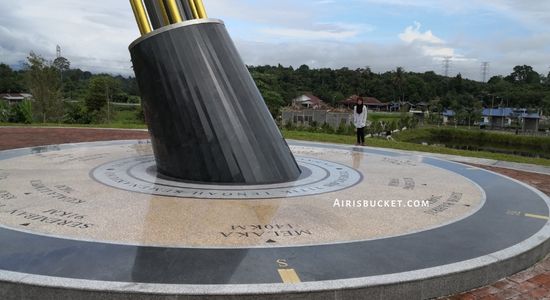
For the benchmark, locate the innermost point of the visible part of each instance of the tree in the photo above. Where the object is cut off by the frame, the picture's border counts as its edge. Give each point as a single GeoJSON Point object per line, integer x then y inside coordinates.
{"type": "Point", "coordinates": [495, 80]}
{"type": "Point", "coordinates": [267, 84]}
{"type": "Point", "coordinates": [524, 74]}
{"type": "Point", "coordinates": [274, 102]}
{"type": "Point", "coordinates": [454, 103]}
{"type": "Point", "coordinates": [100, 93]}
{"type": "Point", "coordinates": [435, 105]}
{"type": "Point", "coordinates": [10, 81]}
{"type": "Point", "coordinates": [62, 65]}
{"type": "Point", "coordinates": [415, 89]}
{"type": "Point", "coordinates": [472, 108]}
{"type": "Point", "coordinates": [398, 81]}
{"type": "Point", "coordinates": [545, 105]}
{"type": "Point", "coordinates": [43, 82]}
{"type": "Point", "coordinates": [457, 84]}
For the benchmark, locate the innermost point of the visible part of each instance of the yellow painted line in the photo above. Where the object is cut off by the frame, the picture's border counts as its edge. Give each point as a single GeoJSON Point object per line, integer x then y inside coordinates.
{"type": "Point", "coordinates": [289, 276]}
{"type": "Point", "coordinates": [537, 216]}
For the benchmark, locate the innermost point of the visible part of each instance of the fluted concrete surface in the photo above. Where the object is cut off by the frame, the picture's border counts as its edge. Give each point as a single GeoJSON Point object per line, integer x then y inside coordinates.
{"type": "Point", "coordinates": [207, 118]}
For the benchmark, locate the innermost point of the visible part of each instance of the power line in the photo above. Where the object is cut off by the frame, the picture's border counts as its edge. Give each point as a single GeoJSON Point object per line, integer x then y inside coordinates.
{"type": "Point", "coordinates": [484, 68]}
{"type": "Point", "coordinates": [447, 65]}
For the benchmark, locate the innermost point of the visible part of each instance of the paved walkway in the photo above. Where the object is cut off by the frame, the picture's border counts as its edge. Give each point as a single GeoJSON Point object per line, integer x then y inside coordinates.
{"type": "Point", "coordinates": [493, 163]}
{"type": "Point", "coordinates": [533, 283]}
{"type": "Point", "coordinates": [468, 160]}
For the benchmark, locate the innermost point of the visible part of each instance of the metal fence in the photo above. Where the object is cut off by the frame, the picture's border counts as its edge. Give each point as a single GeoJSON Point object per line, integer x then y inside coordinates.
{"type": "Point", "coordinates": [320, 117]}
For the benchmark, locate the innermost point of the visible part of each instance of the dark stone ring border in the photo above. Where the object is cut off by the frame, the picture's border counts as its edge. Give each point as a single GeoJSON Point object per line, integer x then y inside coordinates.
{"type": "Point", "coordinates": [319, 177]}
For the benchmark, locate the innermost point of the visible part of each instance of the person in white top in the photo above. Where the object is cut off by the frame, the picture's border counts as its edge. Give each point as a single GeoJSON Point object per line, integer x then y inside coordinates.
{"type": "Point", "coordinates": [360, 120]}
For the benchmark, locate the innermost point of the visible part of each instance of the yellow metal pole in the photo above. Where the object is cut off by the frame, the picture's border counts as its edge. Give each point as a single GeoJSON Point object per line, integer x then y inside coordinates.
{"type": "Point", "coordinates": [141, 16]}
{"type": "Point", "coordinates": [164, 13]}
{"type": "Point", "coordinates": [194, 9]}
{"type": "Point", "coordinates": [200, 9]}
{"type": "Point", "coordinates": [173, 11]}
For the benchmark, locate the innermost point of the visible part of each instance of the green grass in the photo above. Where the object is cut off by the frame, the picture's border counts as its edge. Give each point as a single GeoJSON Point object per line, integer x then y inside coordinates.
{"type": "Point", "coordinates": [479, 140]}
{"type": "Point", "coordinates": [338, 139]}
{"type": "Point", "coordinates": [382, 143]}
{"type": "Point", "coordinates": [384, 116]}
{"type": "Point", "coordinates": [126, 117]}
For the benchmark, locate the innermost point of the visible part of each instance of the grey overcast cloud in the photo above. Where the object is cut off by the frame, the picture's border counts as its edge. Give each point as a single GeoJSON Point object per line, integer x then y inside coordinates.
{"type": "Point", "coordinates": [417, 35]}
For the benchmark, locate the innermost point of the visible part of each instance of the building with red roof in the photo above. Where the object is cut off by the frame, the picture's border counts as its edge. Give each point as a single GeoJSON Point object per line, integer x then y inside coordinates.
{"type": "Point", "coordinates": [371, 103]}
{"type": "Point", "coordinates": [308, 101]}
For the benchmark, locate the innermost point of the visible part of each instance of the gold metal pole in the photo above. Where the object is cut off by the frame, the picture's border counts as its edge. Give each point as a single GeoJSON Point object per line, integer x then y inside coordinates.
{"type": "Point", "coordinates": [173, 11]}
{"type": "Point", "coordinates": [164, 13]}
{"type": "Point", "coordinates": [200, 9]}
{"type": "Point", "coordinates": [194, 9]}
{"type": "Point", "coordinates": [141, 16]}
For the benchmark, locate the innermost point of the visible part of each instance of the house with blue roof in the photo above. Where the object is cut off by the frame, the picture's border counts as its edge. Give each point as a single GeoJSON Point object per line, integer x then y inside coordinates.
{"type": "Point", "coordinates": [502, 118]}
{"type": "Point", "coordinates": [530, 121]}
{"type": "Point", "coordinates": [449, 116]}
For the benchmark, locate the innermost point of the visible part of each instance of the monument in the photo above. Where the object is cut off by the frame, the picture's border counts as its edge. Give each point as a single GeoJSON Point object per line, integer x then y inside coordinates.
{"type": "Point", "coordinates": [207, 119]}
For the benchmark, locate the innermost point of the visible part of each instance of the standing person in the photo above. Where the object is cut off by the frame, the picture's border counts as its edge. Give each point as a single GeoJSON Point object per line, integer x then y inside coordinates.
{"type": "Point", "coordinates": [360, 121]}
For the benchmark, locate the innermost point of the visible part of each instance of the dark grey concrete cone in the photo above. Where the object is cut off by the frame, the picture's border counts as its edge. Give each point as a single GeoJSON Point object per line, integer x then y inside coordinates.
{"type": "Point", "coordinates": [207, 119]}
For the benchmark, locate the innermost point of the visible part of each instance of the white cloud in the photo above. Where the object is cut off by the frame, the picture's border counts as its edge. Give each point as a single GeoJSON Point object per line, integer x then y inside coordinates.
{"type": "Point", "coordinates": [534, 14]}
{"type": "Point", "coordinates": [95, 35]}
{"type": "Point", "coordinates": [320, 31]}
{"type": "Point", "coordinates": [309, 34]}
{"type": "Point", "coordinates": [429, 43]}
{"type": "Point", "coordinates": [333, 54]}
{"type": "Point", "coordinates": [413, 34]}
{"type": "Point", "coordinates": [439, 51]}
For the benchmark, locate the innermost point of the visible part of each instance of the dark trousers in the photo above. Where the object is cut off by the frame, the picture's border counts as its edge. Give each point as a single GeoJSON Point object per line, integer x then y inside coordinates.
{"type": "Point", "coordinates": [361, 135]}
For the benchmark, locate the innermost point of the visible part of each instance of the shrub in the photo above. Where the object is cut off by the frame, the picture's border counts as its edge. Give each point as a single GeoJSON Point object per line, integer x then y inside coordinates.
{"type": "Point", "coordinates": [21, 112]}
{"type": "Point", "coordinates": [4, 112]}
{"type": "Point", "coordinates": [342, 129]}
{"type": "Point", "coordinates": [75, 113]}
{"type": "Point", "coordinates": [289, 126]}
{"type": "Point", "coordinates": [476, 137]}
{"type": "Point", "coordinates": [326, 128]}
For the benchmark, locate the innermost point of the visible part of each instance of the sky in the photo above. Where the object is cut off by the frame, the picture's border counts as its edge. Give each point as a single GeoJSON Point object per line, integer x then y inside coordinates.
{"type": "Point", "coordinates": [379, 34]}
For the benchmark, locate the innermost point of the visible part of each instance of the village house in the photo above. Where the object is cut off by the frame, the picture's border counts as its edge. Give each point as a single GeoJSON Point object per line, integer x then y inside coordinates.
{"type": "Point", "coordinates": [15, 98]}
{"type": "Point", "coordinates": [372, 103]}
{"type": "Point", "coordinates": [308, 109]}
{"type": "Point", "coordinates": [502, 118]}
{"type": "Point", "coordinates": [308, 101]}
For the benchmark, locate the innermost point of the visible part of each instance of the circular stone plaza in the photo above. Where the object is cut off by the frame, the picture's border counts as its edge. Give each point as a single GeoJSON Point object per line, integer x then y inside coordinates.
{"type": "Point", "coordinates": [90, 218]}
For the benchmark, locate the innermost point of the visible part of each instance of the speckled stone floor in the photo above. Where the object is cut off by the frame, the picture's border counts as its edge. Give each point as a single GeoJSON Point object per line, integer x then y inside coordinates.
{"type": "Point", "coordinates": [533, 283]}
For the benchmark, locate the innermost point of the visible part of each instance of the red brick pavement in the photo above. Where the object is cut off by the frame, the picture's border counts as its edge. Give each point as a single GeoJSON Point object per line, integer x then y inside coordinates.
{"type": "Point", "coordinates": [20, 137]}
{"type": "Point", "coordinates": [533, 283]}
